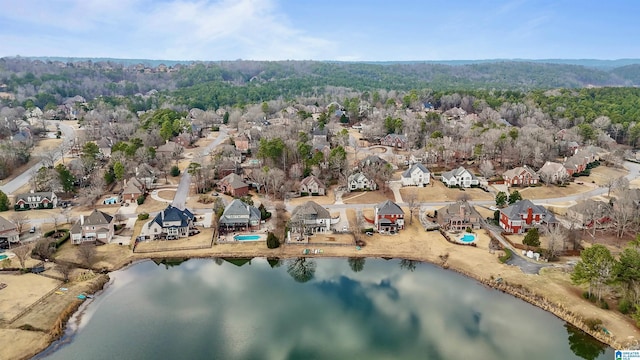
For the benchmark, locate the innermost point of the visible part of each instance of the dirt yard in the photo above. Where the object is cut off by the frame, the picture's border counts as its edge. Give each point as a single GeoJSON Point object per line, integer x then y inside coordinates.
{"type": "Point", "coordinates": [602, 174]}
{"type": "Point", "coordinates": [327, 199]}
{"type": "Point", "coordinates": [367, 197]}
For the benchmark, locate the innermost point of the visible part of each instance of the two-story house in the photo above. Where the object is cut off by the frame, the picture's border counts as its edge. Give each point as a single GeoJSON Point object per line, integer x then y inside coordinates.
{"type": "Point", "coordinates": [553, 172]}
{"type": "Point", "coordinates": [97, 227]}
{"type": "Point", "coordinates": [460, 177]}
{"type": "Point", "coordinates": [395, 140]}
{"type": "Point", "coordinates": [171, 223]}
{"type": "Point", "coordinates": [310, 218]}
{"type": "Point", "coordinates": [358, 181]}
{"type": "Point", "coordinates": [520, 176]}
{"type": "Point", "coordinates": [523, 215]}
{"type": "Point", "coordinates": [416, 175]}
{"type": "Point", "coordinates": [233, 185]}
{"type": "Point", "coordinates": [312, 185]}
{"type": "Point", "coordinates": [8, 233]}
{"type": "Point", "coordinates": [458, 216]}
{"type": "Point", "coordinates": [36, 200]}
{"type": "Point", "coordinates": [238, 216]}
{"type": "Point", "coordinates": [388, 216]}
{"type": "Point", "coordinates": [242, 143]}
{"type": "Point", "coordinates": [132, 190]}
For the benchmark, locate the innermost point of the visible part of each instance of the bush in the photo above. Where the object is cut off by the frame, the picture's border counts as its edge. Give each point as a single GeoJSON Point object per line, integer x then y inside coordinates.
{"type": "Point", "coordinates": [140, 200]}
{"type": "Point", "coordinates": [264, 214]}
{"type": "Point", "coordinates": [364, 231]}
{"type": "Point", "coordinates": [468, 230]}
{"type": "Point", "coordinates": [272, 241]}
{"type": "Point", "coordinates": [625, 306]}
{"type": "Point", "coordinates": [49, 233]}
{"type": "Point", "coordinates": [507, 255]}
{"type": "Point", "coordinates": [593, 323]}
{"type": "Point", "coordinates": [63, 239]}
{"type": "Point", "coordinates": [175, 171]}
{"type": "Point", "coordinates": [304, 194]}
{"type": "Point", "coordinates": [143, 216]}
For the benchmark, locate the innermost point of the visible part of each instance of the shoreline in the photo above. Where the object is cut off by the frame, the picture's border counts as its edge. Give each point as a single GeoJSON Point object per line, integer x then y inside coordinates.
{"type": "Point", "coordinates": [513, 279]}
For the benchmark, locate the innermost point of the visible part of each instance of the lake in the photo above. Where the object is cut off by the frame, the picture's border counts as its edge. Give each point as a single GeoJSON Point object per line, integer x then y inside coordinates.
{"type": "Point", "coordinates": [311, 309]}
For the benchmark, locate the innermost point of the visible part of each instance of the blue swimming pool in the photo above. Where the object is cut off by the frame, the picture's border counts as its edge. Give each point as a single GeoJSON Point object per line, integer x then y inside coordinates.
{"type": "Point", "coordinates": [467, 238]}
{"type": "Point", "coordinates": [247, 237]}
{"type": "Point", "coordinates": [3, 256]}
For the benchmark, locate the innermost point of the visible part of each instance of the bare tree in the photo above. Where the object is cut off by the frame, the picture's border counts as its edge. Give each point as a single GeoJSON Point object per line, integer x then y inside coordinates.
{"type": "Point", "coordinates": [121, 218]}
{"type": "Point", "coordinates": [624, 214]}
{"type": "Point", "coordinates": [556, 237]}
{"type": "Point", "coordinates": [22, 253]}
{"type": "Point", "coordinates": [19, 219]}
{"type": "Point", "coordinates": [413, 204]}
{"type": "Point", "coordinates": [486, 169]}
{"type": "Point", "coordinates": [87, 254]}
{"type": "Point", "coordinates": [65, 270]}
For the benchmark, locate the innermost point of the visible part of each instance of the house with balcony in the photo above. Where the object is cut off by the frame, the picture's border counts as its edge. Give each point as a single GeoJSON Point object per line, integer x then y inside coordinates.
{"type": "Point", "coordinates": [8, 233]}
{"type": "Point", "coordinates": [460, 177]}
{"type": "Point", "coordinates": [239, 216]}
{"type": "Point", "coordinates": [458, 217]}
{"type": "Point", "coordinates": [310, 218]}
{"type": "Point", "coordinates": [388, 216]}
{"type": "Point", "coordinates": [97, 227]}
{"type": "Point", "coordinates": [171, 223]}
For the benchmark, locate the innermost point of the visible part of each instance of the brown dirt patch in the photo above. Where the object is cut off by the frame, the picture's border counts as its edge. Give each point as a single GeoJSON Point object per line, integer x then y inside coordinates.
{"type": "Point", "coordinates": [552, 191]}
{"type": "Point", "coordinates": [327, 199]}
{"type": "Point", "coordinates": [602, 174]}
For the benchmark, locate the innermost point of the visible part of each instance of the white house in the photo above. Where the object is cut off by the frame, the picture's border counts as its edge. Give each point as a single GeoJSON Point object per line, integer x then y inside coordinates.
{"type": "Point", "coordinates": [358, 181]}
{"type": "Point", "coordinates": [460, 177]}
{"type": "Point", "coordinates": [416, 175]}
{"type": "Point", "coordinates": [171, 223]}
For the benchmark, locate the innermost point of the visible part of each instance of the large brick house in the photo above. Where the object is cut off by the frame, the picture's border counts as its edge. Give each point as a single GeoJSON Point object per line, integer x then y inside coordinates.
{"type": "Point", "coordinates": [524, 215]}
{"type": "Point", "coordinates": [395, 140]}
{"type": "Point", "coordinates": [312, 186]}
{"type": "Point", "coordinates": [233, 185]}
{"type": "Point", "coordinates": [458, 216]}
{"type": "Point", "coordinates": [520, 176]}
{"type": "Point", "coordinates": [388, 216]}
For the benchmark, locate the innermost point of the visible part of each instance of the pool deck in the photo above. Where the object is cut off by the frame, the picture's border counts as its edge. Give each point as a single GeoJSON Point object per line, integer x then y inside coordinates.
{"type": "Point", "coordinates": [229, 238]}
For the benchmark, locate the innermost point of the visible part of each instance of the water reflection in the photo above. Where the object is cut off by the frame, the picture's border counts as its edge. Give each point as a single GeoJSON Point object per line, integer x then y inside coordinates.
{"type": "Point", "coordinates": [205, 309]}
{"type": "Point", "coordinates": [356, 264]}
{"type": "Point", "coordinates": [584, 345]}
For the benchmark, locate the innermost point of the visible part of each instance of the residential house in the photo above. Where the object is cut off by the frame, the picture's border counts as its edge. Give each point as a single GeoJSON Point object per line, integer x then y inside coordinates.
{"type": "Point", "coordinates": [575, 164]}
{"type": "Point", "coordinates": [388, 216]}
{"type": "Point", "coordinates": [460, 177]}
{"type": "Point", "coordinates": [373, 160]}
{"type": "Point", "coordinates": [36, 200]}
{"type": "Point", "coordinates": [242, 144]}
{"type": "Point", "coordinates": [233, 185]}
{"type": "Point", "coordinates": [417, 157]}
{"type": "Point", "coordinates": [8, 233]}
{"type": "Point", "coordinates": [319, 136]}
{"type": "Point", "coordinates": [395, 140]}
{"type": "Point", "coordinates": [132, 190]}
{"type": "Point", "coordinates": [170, 149]}
{"type": "Point", "coordinates": [104, 146]}
{"type": "Point", "coordinates": [524, 215]}
{"type": "Point", "coordinates": [416, 175]}
{"type": "Point", "coordinates": [358, 181]}
{"type": "Point", "coordinates": [458, 216]}
{"type": "Point", "coordinates": [553, 172]}
{"type": "Point", "coordinates": [227, 167]}
{"type": "Point", "coordinates": [146, 175]}
{"type": "Point", "coordinates": [312, 186]}
{"type": "Point", "coordinates": [310, 218]}
{"type": "Point", "coordinates": [520, 176]}
{"type": "Point", "coordinates": [97, 227]}
{"type": "Point", "coordinates": [171, 223]}
{"type": "Point", "coordinates": [589, 212]}
{"type": "Point", "coordinates": [238, 216]}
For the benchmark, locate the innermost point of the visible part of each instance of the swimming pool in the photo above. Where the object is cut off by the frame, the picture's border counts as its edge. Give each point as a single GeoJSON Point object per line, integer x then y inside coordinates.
{"type": "Point", "coordinates": [247, 237]}
{"type": "Point", "coordinates": [3, 256]}
{"type": "Point", "coordinates": [468, 238]}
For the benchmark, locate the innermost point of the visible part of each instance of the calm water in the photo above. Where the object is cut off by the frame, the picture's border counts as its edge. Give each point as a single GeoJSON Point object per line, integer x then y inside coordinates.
{"type": "Point", "coordinates": [312, 309]}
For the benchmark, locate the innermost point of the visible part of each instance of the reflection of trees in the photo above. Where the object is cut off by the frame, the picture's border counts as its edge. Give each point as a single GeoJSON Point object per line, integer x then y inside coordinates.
{"type": "Point", "coordinates": [169, 262]}
{"type": "Point", "coordinates": [582, 344]}
{"type": "Point", "coordinates": [356, 264]}
{"type": "Point", "coordinates": [408, 264]}
{"type": "Point", "coordinates": [301, 269]}
{"type": "Point", "coordinates": [218, 261]}
{"type": "Point", "coordinates": [274, 262]}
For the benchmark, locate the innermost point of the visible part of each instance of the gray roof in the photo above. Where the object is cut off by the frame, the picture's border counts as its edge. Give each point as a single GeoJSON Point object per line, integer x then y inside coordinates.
{"type": "Point", "coordinates": [310, 210]}
{"type": "Point", "coordinates": [514, 211]}
{"type": "Point", "coordinates": [235, 181]}
{"type": "Point", "coordinates": [6, 225]}
{"type": "Point", "coordinates": [457, 172]}
{"type": "Point", "coordinates": [44, 195]}
{"type": "Point", "coordinates": [511, 173]}
{"type": "Point", "coordinates": [388, 207]}
{"type": "Point", "coordinates": [407, 173]}
{"type": "Point", "coordinates": [97, 217]}
{"type": "Point", "coordinates": [310, 180]}
{"type": "Point", "coordinates": [238, 208]}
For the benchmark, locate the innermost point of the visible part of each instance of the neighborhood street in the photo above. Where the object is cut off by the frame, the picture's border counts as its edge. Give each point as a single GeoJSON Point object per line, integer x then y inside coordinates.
{"type": "Point", "coordinates": [68, 136]}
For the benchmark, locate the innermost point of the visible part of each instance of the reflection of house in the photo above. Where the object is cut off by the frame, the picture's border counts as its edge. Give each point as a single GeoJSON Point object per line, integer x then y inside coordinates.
{"type": "Point", "coordinates": [98, 226]}
{"type": "Point", "coordinates": [520, 176]}
{"type": "Point", "coordinates": [524, 215]}
{"type": "Point", "coordinates": [388, 216]}
{"type": "Point", "coordinates": [416, 175]}
{"type": "Point", "coordinates": [132, 190]}
{"type": "Point", "coordinates": [8, 232]}
{"type": "Point", "coordinates": [588, 211]}
{"type": "Point", "coordinates": [239, 216]}
{"type": "Point", "coordinates": [36, 200]}
{"type": "Point", "coordinates": [312, 186]}
{"type": "Point", "coordinates": [358, 181]}
{"type": "Point", "coordinates": [458, 216]}
{"type": "Point", "coordinates": [233, 185]}
{"type": "Point", "coordinates": [553, 172]}
{"type": "Point", "coordinates": [394, 140]}
{"type": "Point", "coordinates": [460, 177]}
{"type": "Point", "coordinates": [171, 223]}
{"type": "Point", "coordinates": [310, 217]}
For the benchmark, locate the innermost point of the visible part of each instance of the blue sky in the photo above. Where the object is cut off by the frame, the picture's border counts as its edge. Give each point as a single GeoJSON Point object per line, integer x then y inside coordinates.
{"type": "Point", "coordinates": [363, 30]}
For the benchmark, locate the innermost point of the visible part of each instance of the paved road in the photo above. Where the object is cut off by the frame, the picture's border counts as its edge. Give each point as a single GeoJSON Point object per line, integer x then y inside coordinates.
{"type": "Point", "coordinates": [19, 181]}
{"type": "Point", "coordinates": [180, 199]}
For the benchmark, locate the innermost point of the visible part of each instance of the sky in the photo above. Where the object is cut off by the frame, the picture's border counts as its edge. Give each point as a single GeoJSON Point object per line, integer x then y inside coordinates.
{"type": "Point", "coordinates": [343, 30]}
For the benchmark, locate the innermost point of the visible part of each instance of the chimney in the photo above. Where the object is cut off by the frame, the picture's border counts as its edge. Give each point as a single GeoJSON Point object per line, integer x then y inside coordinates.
{"type": "Point", "coordinates": [461, 210]}
{"type": "Point", "coordinates": [81, 220]}
{"type": "Point", "coordinates": [529, 216]}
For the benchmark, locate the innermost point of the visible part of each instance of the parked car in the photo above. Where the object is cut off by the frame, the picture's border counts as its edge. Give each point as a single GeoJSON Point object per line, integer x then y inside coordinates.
{"type": "Point", "coordinates": [493, 208]}
{"type": "Point", "coordinates": [369, 233]}
{"type": "Point", "coordinates": [32, 230]}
